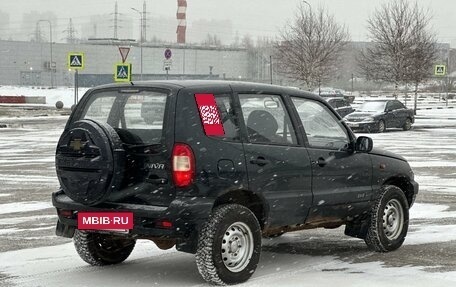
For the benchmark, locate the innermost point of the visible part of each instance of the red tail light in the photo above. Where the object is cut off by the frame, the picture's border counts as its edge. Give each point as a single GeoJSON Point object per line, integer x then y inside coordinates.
{"type": "Point", "coordinates": [183, 165]}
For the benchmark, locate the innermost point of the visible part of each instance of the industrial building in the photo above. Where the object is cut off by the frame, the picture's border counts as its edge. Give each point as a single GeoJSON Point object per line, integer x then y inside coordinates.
{"type": "Point", "coordinates": [30, 64]}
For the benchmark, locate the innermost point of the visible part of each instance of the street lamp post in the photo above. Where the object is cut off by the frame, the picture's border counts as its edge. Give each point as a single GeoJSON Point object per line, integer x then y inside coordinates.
{"type": "Point", "coordinates": [141, 40]}
{"type": "Point", "coordinates": [50, 43]}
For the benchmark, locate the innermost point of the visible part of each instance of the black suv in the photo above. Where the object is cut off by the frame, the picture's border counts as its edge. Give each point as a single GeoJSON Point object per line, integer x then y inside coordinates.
{"type": "Point", "coordinates": [210, 167]}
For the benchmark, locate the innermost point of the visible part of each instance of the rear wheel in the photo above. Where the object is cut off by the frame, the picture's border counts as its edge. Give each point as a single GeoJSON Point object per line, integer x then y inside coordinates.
{"type": "Point", "coordinates": [381, 127]}
{"type": "Point", "coordinates": [388, 220]}
{"type": "Point", "coordinates": [102, 249]}
{"type": "Point", "coordinates": [407, 125]}
{"type": "Point", "coordinates": [229, 245]}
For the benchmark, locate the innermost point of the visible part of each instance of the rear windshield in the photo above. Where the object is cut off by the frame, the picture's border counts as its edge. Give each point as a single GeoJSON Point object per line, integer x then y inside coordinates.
{"type": "Point", "coordinates": [137, 116]}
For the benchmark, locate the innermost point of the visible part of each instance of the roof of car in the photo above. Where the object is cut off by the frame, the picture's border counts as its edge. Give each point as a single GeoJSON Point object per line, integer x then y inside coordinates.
{"type": "Point", "coordinates": [179, 84]}
{"type": "Point", "coordinates": [334, 98]}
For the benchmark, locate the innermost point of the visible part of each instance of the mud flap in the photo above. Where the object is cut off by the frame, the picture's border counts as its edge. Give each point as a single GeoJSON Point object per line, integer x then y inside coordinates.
{"type": "Point", "coordinates": [189, 244]}
{"type": "Point", "coordinates": [358, 229]}
{"type": "Point", "coordinates": [64, 230]}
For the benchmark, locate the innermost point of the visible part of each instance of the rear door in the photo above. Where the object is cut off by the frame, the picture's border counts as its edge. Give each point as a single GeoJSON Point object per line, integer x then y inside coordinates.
{"type": "Point", "coordinates": [220, 161]}
{"type": "Point", "coordinates": [391, 114]}
{"type": "Point", "coordinates": [142, 118]}
{"type": "Point", "coordinates": [339, 176]}
{"type": "Point", "coordinates": [401, 113]}
{"type": "Point", "coordinates": [278, 166]}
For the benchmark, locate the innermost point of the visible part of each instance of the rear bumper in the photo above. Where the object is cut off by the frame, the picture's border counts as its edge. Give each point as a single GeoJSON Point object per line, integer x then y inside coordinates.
{"type": "Point", "coordinates": [186, 214]}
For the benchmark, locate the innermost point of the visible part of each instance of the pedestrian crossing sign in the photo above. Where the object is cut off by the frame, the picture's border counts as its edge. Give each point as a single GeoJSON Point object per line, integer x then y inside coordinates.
{"type": "Point", "coordinates": [122, 73]}
{"type": "Point", "coordinates": [440, 70]}
{"type": "Point", "coordinates": [75, 61]}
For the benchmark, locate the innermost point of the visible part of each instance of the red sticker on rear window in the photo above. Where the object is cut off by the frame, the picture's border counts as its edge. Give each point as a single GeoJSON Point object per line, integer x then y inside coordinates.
{"type": "Point", "coordinates": [209, 114]}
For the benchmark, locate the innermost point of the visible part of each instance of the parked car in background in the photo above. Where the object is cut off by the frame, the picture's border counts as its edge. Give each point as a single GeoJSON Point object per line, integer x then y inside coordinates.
{"type": "Point", "coordinates": [341, 106]}
{"type": "Point", "coordinates": [327, 92]}
{"type": "Point", "coordinates": [377, 116]}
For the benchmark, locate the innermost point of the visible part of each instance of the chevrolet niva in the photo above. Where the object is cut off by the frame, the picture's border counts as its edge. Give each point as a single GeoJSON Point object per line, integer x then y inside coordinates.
{"type": "Point", "coordinates": [211, 167]}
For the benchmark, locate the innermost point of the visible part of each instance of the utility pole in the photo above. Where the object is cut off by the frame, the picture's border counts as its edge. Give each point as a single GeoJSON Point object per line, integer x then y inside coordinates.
{"type": "Point", "coordinates": [38, 35]}
{"type": "Point", "coordinates": [270, 68]}
{"type": "Point", "coordinates": [141, 38]}
{"type": "Point", "coordinates": [116, 21]}
{"type": "Point", "coordinates": [71, 32]}
{"type": "Point", "coordinates": [144, 23]}
{"type": "Point", "coordinates": [51, 65]}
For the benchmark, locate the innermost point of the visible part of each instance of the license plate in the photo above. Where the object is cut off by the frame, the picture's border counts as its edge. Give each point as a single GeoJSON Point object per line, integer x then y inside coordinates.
{"type": "Point", "coordinates": [108, 221]}
{"type": "Point", "coordinates": [353, 125]}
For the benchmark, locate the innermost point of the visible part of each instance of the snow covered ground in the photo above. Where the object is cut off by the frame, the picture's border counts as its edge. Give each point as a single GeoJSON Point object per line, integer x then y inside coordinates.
{"type": "Point", "coordinates": [31, 255]}
{"type": "Point", "coordinates": [64, 94]}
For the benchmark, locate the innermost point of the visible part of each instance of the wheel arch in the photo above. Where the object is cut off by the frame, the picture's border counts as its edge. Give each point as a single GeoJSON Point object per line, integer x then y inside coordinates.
{"type": "Point", "coordinates": [404, 184]}
{"type": "Point", "coordinates": [253, 201]}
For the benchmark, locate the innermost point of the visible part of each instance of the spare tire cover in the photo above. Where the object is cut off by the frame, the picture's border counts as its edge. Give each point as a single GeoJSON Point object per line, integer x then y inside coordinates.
{"type": "Point", "coordinates": [90, 161]}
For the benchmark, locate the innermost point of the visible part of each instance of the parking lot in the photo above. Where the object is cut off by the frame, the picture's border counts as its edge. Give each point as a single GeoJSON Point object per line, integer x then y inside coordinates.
{"type": "Point", "coordinates": [27, 221]}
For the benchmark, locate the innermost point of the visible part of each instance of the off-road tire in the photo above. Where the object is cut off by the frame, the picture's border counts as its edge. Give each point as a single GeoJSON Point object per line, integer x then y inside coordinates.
{"type": "Point", "coordinates": [102, 249]}
{"type": "Point", "coordinates": [377, 238]}
{"type": "Point", "coordinates": [407, 125]}
{"type": "Point", "coordinates": [209, 258]}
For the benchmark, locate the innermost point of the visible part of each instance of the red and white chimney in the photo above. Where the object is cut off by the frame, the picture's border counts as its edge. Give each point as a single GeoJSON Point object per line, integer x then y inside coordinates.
{"type": "Point", "coordinates": [182, 21]}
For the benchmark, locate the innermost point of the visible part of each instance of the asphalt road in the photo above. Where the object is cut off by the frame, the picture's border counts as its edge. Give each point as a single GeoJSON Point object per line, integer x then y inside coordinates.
{"type": "Point", "coordinates": [27, 178]}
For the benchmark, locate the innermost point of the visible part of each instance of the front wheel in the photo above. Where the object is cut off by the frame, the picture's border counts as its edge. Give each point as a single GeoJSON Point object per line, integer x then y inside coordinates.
{"type": "Point", "coordinates": [229, 245]}
{"type": "Point", "coordinates": [381, 127]}
{"type": "Point", "coordinates": [389, 220]}
{"type": "Point", "coordinates": [102, 249]}
{"type": "Point", "coordinates": [407, 125]}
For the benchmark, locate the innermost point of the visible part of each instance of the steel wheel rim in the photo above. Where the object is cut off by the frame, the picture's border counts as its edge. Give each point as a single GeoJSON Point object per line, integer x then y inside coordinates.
{"type": "Point", "coordinates": [237, 247]}
{"type": "Point", "coordinates": [393, 219]}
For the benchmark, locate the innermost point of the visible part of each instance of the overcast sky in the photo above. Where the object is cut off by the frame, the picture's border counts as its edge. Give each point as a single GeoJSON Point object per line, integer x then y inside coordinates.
{"type": "Point", "coordinates": [255, 17]}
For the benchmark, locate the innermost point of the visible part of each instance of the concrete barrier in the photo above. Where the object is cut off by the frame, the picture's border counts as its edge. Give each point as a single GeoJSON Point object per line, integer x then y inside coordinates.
{"type": "Point", "coordinates": [35, 100]}
{"type": "Point", "coordinates": [22, 100]}
{"type": "Point", "coordinates": [12, 100]}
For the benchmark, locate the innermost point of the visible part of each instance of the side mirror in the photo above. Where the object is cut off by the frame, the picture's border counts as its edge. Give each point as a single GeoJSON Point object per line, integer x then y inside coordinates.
{"type": "Point", "coordinates": [364, 144]}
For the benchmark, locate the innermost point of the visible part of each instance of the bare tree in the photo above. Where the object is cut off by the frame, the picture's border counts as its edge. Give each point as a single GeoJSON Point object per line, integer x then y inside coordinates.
{"type": "Point", "coordinates": [310, 46]}
{"type": "Point", "coordinates": [212, 40]}
{"type": "Point", "coordinates": [403, 49]}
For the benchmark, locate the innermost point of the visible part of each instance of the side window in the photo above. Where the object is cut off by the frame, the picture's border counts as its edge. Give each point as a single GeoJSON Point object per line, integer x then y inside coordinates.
{"type": "Point", "coordinates": [267, 119]}
{"type": "Point", "coordinates": [393, 105]}
{"type": "Point", "coordinates": [228, 117]}
{"type": "Point", "coordinates": [398, 105]}
{"type": "Point", "coordinates": [341, 104]}
{"type": "Point", "coordinates": [322, 127]}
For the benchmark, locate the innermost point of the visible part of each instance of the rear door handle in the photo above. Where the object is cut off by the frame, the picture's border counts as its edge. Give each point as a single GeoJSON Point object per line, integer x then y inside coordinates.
{"type": "Point", "coordinates": [260, 161]}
